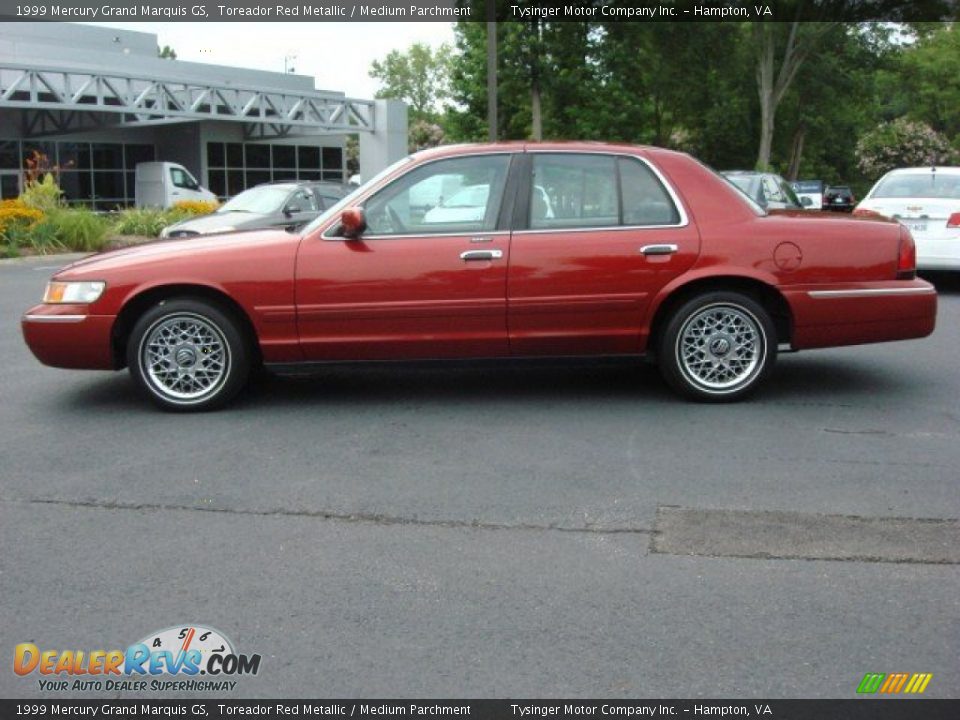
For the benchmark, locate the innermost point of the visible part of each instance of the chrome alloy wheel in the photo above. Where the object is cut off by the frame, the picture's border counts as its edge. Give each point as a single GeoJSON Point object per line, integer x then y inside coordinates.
{"type": "Point", "coordinates": [721, 347]}
{"type": "Point", "coordinates": [184, 357]}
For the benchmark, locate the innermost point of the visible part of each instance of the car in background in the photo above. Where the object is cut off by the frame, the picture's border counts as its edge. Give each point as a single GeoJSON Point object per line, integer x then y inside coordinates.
{"type": "Point", "coordinates": [649, 254]}
{"type": "Point", "coordinates": [927, 201]}
{"type": "Point", "coordinates": [838, 198]}
{"type": "Point", "coordinates": [286, 204]}
{"type": "Point", "coordinates": [470, 203]}
{"type": "Point", "coordinates": [809, 192]}
{"type": "Point", "coordinates": [768, 190]}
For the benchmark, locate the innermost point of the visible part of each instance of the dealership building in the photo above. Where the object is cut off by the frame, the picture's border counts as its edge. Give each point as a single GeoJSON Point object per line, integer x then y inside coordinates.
{"type": "Point", "coordinates": [96, 101]}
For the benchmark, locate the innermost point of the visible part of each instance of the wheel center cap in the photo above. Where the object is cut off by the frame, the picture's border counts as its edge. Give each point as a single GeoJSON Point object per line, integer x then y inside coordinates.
{"type": "Point", "coordinates": [186, 357]}
{"type": "Point", "coordinates": [719, 346]}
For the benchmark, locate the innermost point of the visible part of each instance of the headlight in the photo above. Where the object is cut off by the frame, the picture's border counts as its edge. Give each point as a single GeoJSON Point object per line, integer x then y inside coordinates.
{"type": "Point", "coordinates": [73, 292]}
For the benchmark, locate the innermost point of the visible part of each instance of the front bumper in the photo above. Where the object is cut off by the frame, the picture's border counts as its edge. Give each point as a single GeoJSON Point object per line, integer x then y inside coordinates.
{"type": "Point", "coordinates": [67, 336]}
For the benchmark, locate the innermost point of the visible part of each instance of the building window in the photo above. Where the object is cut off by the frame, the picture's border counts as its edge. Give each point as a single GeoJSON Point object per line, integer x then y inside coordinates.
{"type": "Point", "coordinates": [97, 175]}
{"type": "Point", "coordinates": [234, 167]}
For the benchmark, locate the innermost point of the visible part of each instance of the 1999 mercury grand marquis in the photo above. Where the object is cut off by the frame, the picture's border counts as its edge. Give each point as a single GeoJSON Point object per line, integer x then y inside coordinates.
{"type": "Point", "coordinates": [568, 249]}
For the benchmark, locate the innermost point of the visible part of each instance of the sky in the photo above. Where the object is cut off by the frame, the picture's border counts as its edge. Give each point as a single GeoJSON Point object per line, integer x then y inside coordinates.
{"type": "Point", "coordinates": [337, 54]}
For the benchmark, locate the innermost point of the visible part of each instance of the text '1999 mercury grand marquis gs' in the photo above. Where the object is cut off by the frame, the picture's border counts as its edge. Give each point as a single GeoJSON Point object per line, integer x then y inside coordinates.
{"type": "Point", "coordinates": [573, 249]}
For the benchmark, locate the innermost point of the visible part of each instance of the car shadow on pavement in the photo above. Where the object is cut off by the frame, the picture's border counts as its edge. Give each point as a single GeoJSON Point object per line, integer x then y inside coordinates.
{"type": "Point", "coordinates": [805, 377]}
{"type": "Point", "coordinates": [947, 283]}
{"type": "Point", "coordinates": [796, 378]}
{"type": "Point", "coordinates": [461, 383]}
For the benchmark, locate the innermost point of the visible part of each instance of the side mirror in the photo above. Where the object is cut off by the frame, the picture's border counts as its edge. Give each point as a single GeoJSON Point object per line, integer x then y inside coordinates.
{"type": "Point", "coordinates": [291, 210]}
{"type": "Point", "coordinates": [353, 222]}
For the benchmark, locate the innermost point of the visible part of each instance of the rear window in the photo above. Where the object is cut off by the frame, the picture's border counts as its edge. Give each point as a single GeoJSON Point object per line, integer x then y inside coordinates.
{"type": "Point", "coordinates": [925, 185]}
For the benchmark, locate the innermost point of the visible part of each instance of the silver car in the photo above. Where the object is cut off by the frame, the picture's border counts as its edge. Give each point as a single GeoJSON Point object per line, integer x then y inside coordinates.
{"type": "Point", "coordinates": [282, 204]}
{"type": "Point", "coordinates": [768, 189]}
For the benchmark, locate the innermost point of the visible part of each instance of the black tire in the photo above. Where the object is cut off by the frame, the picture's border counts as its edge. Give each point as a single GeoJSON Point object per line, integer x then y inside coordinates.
{"type": "Point", "coordinates": [717, 347]}
{"type": "Point", "coordinates": [188, 355]}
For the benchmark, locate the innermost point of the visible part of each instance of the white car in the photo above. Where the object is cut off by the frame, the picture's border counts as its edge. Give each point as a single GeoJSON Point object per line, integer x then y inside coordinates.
{"type": "Point", "coordinates": [927, 201]}
{"type": "Point", "coordinates": [469, 204]}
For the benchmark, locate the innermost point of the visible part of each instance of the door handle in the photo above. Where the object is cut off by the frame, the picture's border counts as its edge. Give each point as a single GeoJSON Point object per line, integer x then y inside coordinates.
{"type": "Point", "coordinates": [469, 255]}
{"type": "Point", "coordinates": [659, 249]}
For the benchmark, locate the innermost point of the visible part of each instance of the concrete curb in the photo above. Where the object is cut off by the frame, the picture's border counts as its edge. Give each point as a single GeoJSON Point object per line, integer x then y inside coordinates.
{"type": "Point", "coordinates": [59, 260]}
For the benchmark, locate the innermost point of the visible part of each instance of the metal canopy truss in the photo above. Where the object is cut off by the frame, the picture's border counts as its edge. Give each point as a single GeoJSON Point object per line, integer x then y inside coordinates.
{"type": "Point", "coordinates": [61, 99]}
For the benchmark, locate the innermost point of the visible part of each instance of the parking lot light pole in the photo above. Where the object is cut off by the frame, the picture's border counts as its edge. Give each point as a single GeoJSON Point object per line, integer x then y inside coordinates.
{"type": "Point", "coordinates": [492, 78]}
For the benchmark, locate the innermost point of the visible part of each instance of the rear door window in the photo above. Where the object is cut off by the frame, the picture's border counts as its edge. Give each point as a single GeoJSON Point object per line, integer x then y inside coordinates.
{"type": "Point", "coordinates": [571, 191]}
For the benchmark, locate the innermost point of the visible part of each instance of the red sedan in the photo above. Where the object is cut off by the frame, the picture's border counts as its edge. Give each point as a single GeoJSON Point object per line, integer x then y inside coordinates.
{"type": "Point", "coordinates": [495, 251]}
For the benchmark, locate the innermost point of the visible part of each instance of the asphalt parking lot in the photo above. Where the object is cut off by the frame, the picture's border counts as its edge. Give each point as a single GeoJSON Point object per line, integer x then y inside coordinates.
{"type": "Point", "coordinates": [520, 532]}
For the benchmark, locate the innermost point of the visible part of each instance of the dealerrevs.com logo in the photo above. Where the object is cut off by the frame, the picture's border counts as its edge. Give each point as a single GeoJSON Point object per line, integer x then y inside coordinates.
{"type": "Point", "coordinates": [183, 657]}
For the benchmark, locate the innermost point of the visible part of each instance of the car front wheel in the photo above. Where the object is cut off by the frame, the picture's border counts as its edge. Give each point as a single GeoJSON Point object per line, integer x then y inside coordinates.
{"type": "Point", "coordinates": [188, 354]}
{"type": "Point", "coordinates": [718, 347]}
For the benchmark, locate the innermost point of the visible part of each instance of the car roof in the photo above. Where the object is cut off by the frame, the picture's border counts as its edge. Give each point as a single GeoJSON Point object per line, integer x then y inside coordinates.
{"type": "Point", "coordinates": [940, 169]}
{"type": "Point", "coordinates": [749, 173]}
{"type": "Point", "coordinates": [514, 146]}
{"type": "Point", "coordinates": [292, 184]}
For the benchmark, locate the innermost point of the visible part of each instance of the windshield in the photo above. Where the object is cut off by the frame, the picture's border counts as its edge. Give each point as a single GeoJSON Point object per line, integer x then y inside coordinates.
{"type": "Point", "coordinates": [260, 200]}
{"type": "Point", "coordinates": [754, 205]}
{"type": "Point", "coordinates": [350, 199]}
{"type": "Point", "coordinates": [919, 185]}
{"type": "Point", "coordinates": [750, 184]}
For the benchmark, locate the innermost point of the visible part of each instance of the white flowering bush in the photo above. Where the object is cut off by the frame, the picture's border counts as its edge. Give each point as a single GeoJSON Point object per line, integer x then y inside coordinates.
{"type": "Point", "coordinates": [902, 143]}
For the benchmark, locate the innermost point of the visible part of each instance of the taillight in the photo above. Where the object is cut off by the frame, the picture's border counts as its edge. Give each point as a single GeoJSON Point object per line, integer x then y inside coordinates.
{"type": "Point", "coordinates": [954, 220]}
{"type": "Point", "coordinates": [907, 257]}
{"type": "Point", "coordinates": [864, 212]}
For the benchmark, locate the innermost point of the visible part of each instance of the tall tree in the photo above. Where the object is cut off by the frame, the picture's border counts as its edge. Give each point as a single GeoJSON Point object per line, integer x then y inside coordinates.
{"type": "Point", "coordinates": [420, 76]}
{"type": "Point", "coordinates": [780, 49]}
{"type": "Point", "coordinates": [930, 79]}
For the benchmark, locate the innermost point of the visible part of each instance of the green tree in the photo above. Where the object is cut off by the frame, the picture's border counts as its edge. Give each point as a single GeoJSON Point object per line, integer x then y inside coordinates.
{"type": "Point", "coordinates": [166, 52]}
{"type": "Point", "coordinates": [929, 79]}
{"type": "Point", "coordinates": [419, 76]}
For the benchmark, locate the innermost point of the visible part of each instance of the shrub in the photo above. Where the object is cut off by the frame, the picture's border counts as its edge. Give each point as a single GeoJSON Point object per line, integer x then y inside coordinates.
{"type": "Point", "coordinates": [16, 222]}
{"type": "Point", "coordinates": [902, 143]}
{"type": "Point", "coordinates": [197, 207]}
{"type": "Point", "coordinates": [150, 221]}
{"type": "Point", "coordinates": [42, 194]}
{"type": "Point", "coordinates": [143, 221]}
{"type": "Point", "coordinates": [71, 229]}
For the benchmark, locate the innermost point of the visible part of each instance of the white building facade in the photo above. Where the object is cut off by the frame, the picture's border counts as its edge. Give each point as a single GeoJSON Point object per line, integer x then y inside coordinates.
{"type": "Point", "coordinates": [96, 101]}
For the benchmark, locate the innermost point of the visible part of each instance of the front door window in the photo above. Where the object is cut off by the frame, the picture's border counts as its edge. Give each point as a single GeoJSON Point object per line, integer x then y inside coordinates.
{"type": "Point", "coordinates": [446, 197]}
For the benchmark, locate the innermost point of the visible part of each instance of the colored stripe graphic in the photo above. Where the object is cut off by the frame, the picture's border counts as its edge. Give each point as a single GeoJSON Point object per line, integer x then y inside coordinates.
{"type": "Point", "coordinates": [894, 683]}
{"type": "Point", "coordinates": [871, 682]}
{"type": "Point", "coordinates": [919, 683]}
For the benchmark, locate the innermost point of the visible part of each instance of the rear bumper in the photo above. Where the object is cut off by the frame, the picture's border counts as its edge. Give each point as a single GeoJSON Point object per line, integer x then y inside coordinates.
{"type": "Point", "coordinates": [827, 316]}
{"type": "Point", "coordinates": [65, 336]}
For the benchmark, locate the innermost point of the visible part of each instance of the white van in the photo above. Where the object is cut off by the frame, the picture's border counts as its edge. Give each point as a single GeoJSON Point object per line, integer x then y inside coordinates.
{"type": "Point", "coordinates": [161, 184]}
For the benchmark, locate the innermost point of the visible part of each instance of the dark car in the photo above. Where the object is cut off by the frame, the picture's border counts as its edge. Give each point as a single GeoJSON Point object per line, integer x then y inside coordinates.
{"type": "Point", "coordinates": [769, 190]}
{"type": "Point", "coordinates": [839, 198]}
{"type": "Point", "coordinates": [291, 204]}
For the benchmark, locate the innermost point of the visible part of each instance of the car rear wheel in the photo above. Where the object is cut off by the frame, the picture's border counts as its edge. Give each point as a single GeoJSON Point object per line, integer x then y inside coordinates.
{"type": "Point", "coordinates": [718, 347]}
{"type": "Point", "coordinates": [188, 354]}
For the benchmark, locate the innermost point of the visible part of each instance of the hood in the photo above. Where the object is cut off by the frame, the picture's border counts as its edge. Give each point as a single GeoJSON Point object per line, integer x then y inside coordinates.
{"type": "Point", "coordinates": [161, 250]}
{"type": "Point", "coordinates": [220, 222]}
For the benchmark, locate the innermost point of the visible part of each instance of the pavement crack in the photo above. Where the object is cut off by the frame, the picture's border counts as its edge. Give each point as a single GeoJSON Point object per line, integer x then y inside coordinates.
{"type": "Point", "coordinates": [365, 518]}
